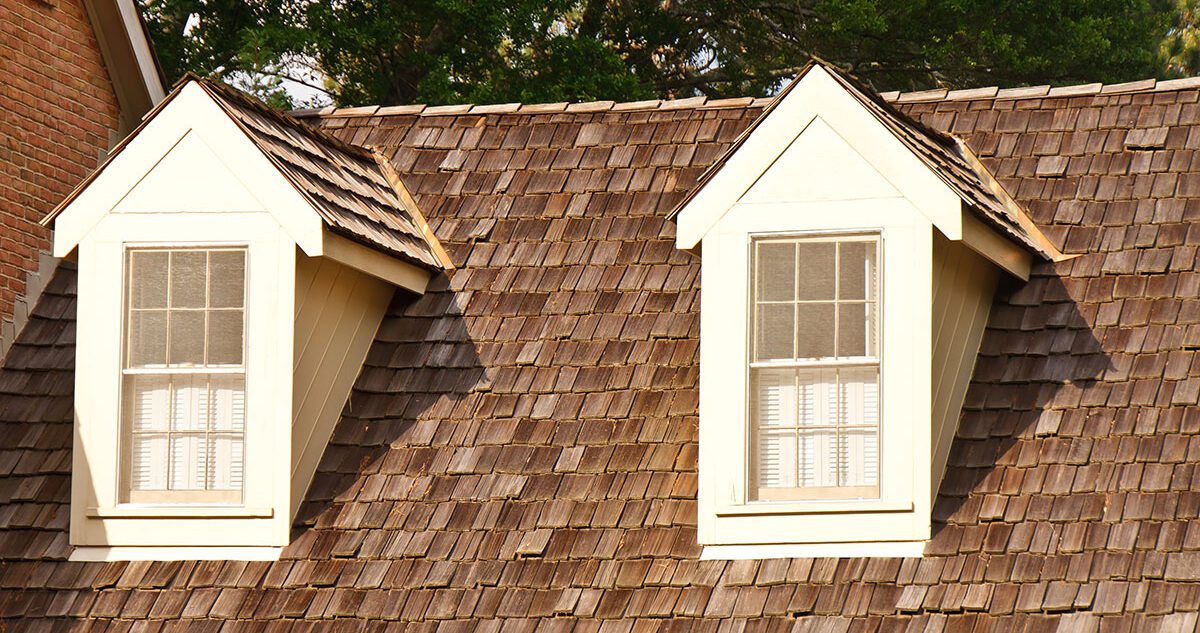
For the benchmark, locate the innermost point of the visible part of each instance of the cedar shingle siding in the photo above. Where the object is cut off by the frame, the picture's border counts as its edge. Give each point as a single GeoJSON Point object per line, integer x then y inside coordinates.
{"type": "Point", "coordinates": [520, 450]}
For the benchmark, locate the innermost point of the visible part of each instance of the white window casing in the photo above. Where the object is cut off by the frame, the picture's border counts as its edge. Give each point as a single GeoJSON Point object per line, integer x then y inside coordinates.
{"type": "Point", "coordinates": [162, 379]}
{"type": "Point", "coordinates": [868, 492]}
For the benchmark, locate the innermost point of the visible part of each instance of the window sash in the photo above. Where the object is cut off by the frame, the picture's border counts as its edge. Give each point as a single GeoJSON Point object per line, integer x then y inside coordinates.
{"type": "Point", "coordinates": [826, 442]}
{"type": "Point", "coordinates": [209, 428]}
{"type": "Point", "coordinates": [870, 300]}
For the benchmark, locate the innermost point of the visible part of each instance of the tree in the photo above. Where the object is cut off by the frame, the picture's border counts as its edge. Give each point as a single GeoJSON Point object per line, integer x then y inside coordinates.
{"type": "Point", "coordinates": [445, 51]}
{"type": "Point", "coordinates": [1179, 53]}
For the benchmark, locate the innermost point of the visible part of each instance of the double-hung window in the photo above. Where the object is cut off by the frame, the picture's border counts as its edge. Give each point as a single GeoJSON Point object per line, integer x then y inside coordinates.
{"type": "Point", "coordinates": [814, 368]}
{"type": "Point", "coordinates": [184, 376]}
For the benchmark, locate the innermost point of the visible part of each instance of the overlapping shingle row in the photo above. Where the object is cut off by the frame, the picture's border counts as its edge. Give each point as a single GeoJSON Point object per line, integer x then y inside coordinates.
{"type": "Point", "coordinates": [520, 449]}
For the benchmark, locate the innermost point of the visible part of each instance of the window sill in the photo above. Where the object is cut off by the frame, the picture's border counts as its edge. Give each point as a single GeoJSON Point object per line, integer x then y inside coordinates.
{"type": "Point", "coordinates": [877, 549]}
{"type": "Point", "coordinates": [179, 512]}
{"type": "Point", "coordinates": [92, 554]}
{"type": "Point", "coordinates": [759, 508]}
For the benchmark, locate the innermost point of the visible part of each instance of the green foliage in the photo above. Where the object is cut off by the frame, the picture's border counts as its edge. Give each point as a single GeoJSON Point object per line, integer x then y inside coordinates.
{"type": "Point", "coordinates": [1179, 53]}
{"type": "Point", "coordinates": [481, 51]}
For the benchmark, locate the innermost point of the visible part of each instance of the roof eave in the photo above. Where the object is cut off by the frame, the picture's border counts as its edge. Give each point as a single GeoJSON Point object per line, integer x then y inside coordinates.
{"type": "Point", "coordinates": [128, 56]}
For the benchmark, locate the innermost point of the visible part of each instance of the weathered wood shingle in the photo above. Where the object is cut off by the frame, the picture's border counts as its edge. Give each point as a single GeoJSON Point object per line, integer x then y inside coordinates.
{"type": "Point", "coordinates": [520, 449]}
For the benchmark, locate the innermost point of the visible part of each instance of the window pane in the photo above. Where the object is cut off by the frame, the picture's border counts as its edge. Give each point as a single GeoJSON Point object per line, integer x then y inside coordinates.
{"type": "Point", "coordinates": [818, 464]}
{"type": "Point", "coordinates": [815, 324]}
{"type": "Point", "coordinates": [859, 402]}
{"type": "Point", "coordinates": [149, 402]}
{"type": "Point", "coordinates": [225, 337]}
{"type": "Point", "coordinates": [816, 270]}
{"type": "Point", "coordinates": [858, 456]}
{"type": "Point", "coordinates": [776, 327]}
{"type": "Point", "coordinates": [777, 271]}
{"type": "Point", "coordinates": [775, 401]}
{"type": "Point", "coordinates": [187, 461]}
{"type": "Point", "coordinates": [225, 462]}
{"type": "Point", "coordinates": [190, 409]}
{"type": "Point", "coordinates": [856, 267]}
{"type": "Point", "coordinates": [777, 459]}
{"type": "Point", "coordinates": [147, 338]}
{"type": "Point", "coordinates": [856, 329]}
{"type": "Point", "coordinates": [817, 404]}
{"type": "Point", "coordinates": [148, 279]}
{"type": "Point", "coordinates": [188, 273]}
{"type": "Point", "coordinates": [229, 403]}
{"type": "Point", "coordinates": [227, 278]}
{"type": "Point", "coordinates": [187, 338]}
{"type": "Point", "coordinates": [148, 454]}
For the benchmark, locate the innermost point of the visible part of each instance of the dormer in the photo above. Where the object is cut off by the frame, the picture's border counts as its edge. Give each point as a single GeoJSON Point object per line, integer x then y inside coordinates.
{"type": "Point", "coordinates": [234, 266]}
{"type": "Point", "coordinates": [849, 258]}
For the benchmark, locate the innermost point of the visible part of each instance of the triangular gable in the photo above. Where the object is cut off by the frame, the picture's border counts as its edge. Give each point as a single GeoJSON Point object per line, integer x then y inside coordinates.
{"type": "Point", "coordinates": [188, 113]}
{"type": "Point", "coordinates": [928, 169]}
{"type": "Point", "coordinates": [209, 146]}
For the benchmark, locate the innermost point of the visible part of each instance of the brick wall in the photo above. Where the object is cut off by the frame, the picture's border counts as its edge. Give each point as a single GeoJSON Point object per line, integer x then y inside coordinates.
{"type": "Point", "coordinates": [57, 111]}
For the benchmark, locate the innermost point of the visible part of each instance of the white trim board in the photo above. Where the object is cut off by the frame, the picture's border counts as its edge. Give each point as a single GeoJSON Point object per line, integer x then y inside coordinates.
{"type": "Point", "coordinates": [104, 554]}
{"type": "Point", "coordinates": [881, 549]}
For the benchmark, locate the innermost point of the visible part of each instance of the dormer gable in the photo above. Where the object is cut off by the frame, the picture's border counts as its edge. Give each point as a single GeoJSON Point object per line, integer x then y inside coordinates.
{"type": "Point", "coordinates": [823, 118]}
{"type": "Point", "coordinates": [849, 258]}
{"type": "Point", "coordinates": [234, 266]}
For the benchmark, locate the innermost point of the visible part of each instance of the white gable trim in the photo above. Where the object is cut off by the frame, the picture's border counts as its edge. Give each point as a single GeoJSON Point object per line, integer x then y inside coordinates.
{"type": "Point", "coordinates": [817, 94]}
{"type": "Point", "coordinates": [191, 112]}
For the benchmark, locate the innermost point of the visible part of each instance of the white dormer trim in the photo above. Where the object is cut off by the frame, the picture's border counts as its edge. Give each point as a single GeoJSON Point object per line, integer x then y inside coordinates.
{"type": "Point", "coordinates": [191, 178]}
{"type": "Point", "coordinates": [193, 122]}
{"type": "Point", "coordinates": [817, 94]}
{"type": "Point", "coordinates": [819, 166]}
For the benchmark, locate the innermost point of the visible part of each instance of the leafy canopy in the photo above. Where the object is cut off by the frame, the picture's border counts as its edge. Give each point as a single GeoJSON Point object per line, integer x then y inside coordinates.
{"type": "Point", "coordinates": [482, 51]}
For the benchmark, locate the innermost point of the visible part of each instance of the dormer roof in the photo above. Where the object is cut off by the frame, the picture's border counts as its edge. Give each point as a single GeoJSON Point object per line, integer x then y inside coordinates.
{"type": "Point", "coordinates": [355, 192]}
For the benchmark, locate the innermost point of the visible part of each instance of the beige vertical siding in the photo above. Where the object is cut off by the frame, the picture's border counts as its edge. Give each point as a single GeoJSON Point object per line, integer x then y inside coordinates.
{"type": "Point", "coordinates": [338, 311]}
{"type": "Point", "coordinates": [964, 284]}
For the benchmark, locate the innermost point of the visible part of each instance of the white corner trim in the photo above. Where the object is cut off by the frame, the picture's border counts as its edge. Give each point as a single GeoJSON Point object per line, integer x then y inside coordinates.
{"type": "Point", "coordinates": [147, 67]}
{"type": "Point", "coordinates": [895, 549]}
{"type": "Point", "coordinates": [104, 554]}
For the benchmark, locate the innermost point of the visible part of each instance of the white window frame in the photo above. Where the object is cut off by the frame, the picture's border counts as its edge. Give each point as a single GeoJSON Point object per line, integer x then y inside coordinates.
{"type": "Point", "coordinates": [902, 512]}
{"type": "Point", "coordinates": [802, 494]}
{"type": "Point", "coordinates": [129, 496]}
{"type": "Point", "coordinates": [99, 515]}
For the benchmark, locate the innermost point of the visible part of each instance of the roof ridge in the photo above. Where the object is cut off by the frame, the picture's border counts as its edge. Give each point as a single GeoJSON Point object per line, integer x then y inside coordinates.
{"type": "Point", "coordinates": [895, 96]}
{"type": "Point", "coordinates": [422, 109]}
{"type": "Point", "coordinates": [1040, 91]}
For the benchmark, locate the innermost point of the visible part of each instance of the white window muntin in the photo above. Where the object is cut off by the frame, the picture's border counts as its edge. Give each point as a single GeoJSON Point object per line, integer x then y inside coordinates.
{"type": "Point", "coordinates": [824, 474]}
{"type": "Point", "coordinates": [205, 390]}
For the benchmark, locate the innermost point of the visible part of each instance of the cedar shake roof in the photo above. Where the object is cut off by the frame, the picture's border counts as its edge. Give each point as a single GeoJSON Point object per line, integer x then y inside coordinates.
{"type": "Point", "coordinates": [520, 449]}
{"type": "Point", "coordinates": [345, 184]}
